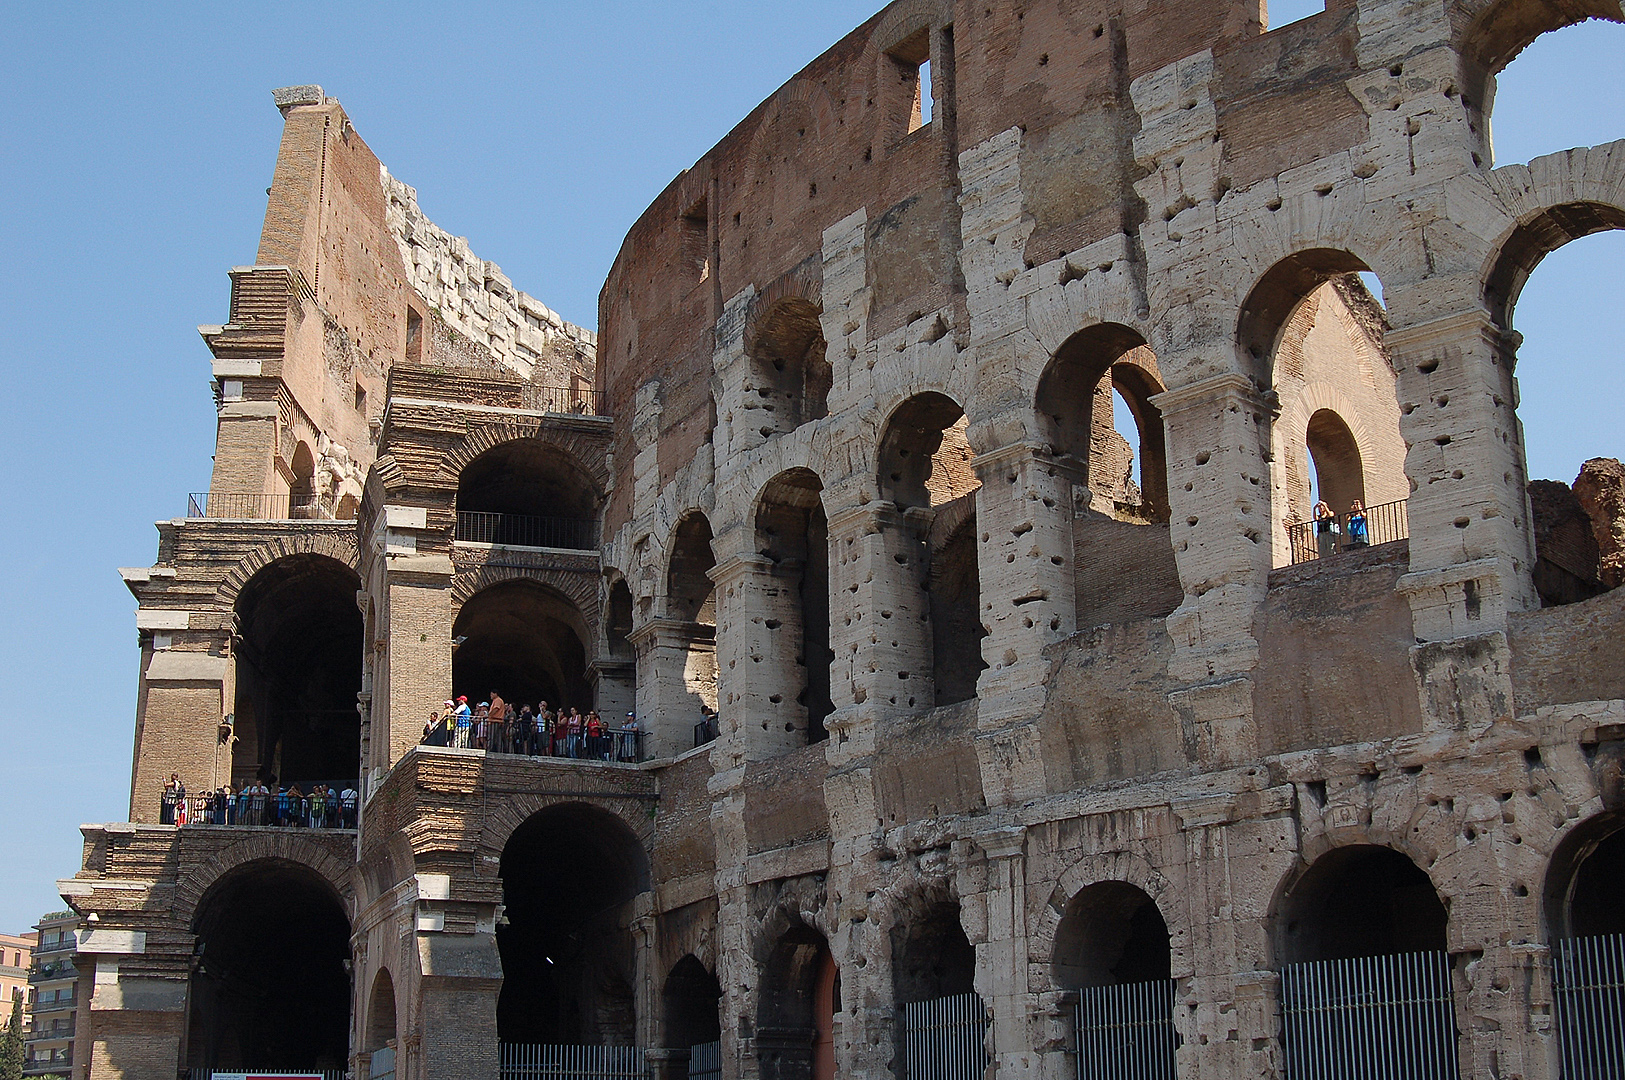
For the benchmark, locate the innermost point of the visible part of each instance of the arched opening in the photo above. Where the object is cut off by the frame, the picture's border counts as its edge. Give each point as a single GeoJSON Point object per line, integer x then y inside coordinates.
{"type": "Point", "coordinates": [1566, 319]}
{"type": "Point", "coordinates": [792, 533]}
{"type": "Point", "coordinates": [380, 1014]}
{"type": "Point", "coordinates": [942, 1021]}
{"type": "Point", "coordinates": [1079, 417]}
{"type": "Point", "coordinates": [527, 493]}
{"type": "Point", "coordinates": [297, 648]}
{"type": "Point", "coordinates": [691, 605]}
{"type": "Point", "coordinates": [1311, 337]}
{"type": "Point", "coordinates": [690, 999]}
{"type": "Point", "coordinates": [270, 988]}
{"type": "Point", "coordinates": [793, 374]}
{"type": "Point", "coordinates": [568, 965]}
{"type": "Point", "coordinates": [1533, 95]}
{"type": "Point", "coordinates": [926, 473]}
{"type": "Point", "coordinates": [1585, 915]}
{"type": "Point", "coordinates": [618, 624]}
{"type": "Point", "coordinates": [302, 502]}
{"type": "Point", "coordinates": [795, 1014]}
{"type": "Point", "coordinates": [1111, 948]}
{"type": "Point", "coordinates": [1365, 979]}
{"type": "Point", "coordinates": [526, 642]}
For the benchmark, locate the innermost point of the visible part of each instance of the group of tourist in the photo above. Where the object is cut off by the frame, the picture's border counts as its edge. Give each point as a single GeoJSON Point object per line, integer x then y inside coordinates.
{"type": "Point", "coordinates": [500, 728]}
{"type": "Point", "coordinates": [260, 803]}
{"type": "Point", "coordinates": [1327, 528]}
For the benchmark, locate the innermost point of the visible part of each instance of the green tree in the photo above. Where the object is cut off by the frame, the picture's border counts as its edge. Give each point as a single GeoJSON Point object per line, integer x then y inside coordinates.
{"type": "Point", "coordinates": [11, 1044]}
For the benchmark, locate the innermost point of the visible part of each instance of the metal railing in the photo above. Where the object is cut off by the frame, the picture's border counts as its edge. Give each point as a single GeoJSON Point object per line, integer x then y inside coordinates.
{"type": "Point", "coordinates": [1370, 1018]}
{"type": "Point", "coordinates": [705, 1061]}
{"type": "Point", "coordinates": [1126, 1032]}
{"type": "Point", "coordinates": [530, 1061]}
{"type": "Point", "coordinates": [945, 1038]}
{"type": "Point", "coordinates": [523, 530]}
{"type": "Point", "coordinates": [381, 1065]}
{"type": "Point", "coordinates": [1380, 524]}
{"type": "Point", "coordinates": [243, 506]}
{"type": "Point", "coordinates": [705, 731]}
{"type": "Point", "coordinates": [277, 810]}
{"type": "Point", "coordinates": [211, 1074]}
{"type": "Point", "coordinates": [574, 400]}
{"type": "Point", "coordinates": [1589, 977]}
{"type": "Point", "coordinates": [624, 745]}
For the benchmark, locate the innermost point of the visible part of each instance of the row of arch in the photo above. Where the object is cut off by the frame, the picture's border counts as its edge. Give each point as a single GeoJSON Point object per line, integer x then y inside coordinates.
{"type": "Point", "coordinates": [270, 981]}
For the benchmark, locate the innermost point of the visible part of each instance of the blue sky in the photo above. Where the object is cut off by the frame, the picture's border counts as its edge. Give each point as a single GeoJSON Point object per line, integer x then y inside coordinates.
{"type": "Point", "coordinates": [135, 147]}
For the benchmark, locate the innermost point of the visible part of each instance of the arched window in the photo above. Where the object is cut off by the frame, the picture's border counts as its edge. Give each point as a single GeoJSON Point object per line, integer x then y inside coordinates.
{"type": "Point", "coordinates": [525, 641]}
{"type": "Point", "coordinates": [1112, 948]}
{"type": "Point", "coordinates": [297, 649]}
{"type": "Point", "coordinates": [690, 999]}
{"type": "Point", "coordinates": [1363, 930]}
{"type": "Point", "coordinates": [792, 533]}
{"type": "Point", "coordinates": [691, 606]}
{"type": "Point", "coordinates": [302, 502]}
{"type": "Point", "coordinates": [792, 373]}
{"type": "Point", "coordinates": [925, 471]}
{"type": "Point", "coordinates": [568, 963]}
{"type": "Point", "coordinates": [270, 987]}
{"type": "Point", "coordinates": [527, 493]}
{"type": "Point", "coordinates": [1585, 916]}
{"type": "Point", "coordinates": [380, 1014]}
{"type": "Point", "coordinates": [618, 624]}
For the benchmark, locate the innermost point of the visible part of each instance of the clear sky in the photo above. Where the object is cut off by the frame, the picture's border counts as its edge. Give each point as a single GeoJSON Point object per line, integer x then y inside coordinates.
{"type": "Point", "coordinates": [136, 144]}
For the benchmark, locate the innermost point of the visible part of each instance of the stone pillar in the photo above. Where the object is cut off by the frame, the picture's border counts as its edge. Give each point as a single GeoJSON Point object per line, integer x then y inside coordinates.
{"type": "Point", "coordinates": [614, 689]}
{"type": "Point", "coordinates": [181, 701]}
{"type": "Point", "coordinates": [1001, 961]}
{"type": "Point", "coordinates": [134, 1023]}
{"type": "Point", "coordinates": [457, 1001]}
{"type": "Point", "coordinates": [1472, 553]}
{"type": "Point", "coordinates": [416, 675]}
{"type": "Point", "coordinates": [1219, 499]}
{"type": "Point", "coordinates": [677, 673]}
{"type": "Point", "coordinates": [758, 678]}
{"type": "Point", "coordinates": [1029, 601]}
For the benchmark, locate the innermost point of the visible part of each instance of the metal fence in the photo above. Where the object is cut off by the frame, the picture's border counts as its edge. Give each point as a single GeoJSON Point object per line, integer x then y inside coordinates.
{"type": "Point", "coordinates": [523, 530]}
{"type": "Point", "coordinates": [945, 1038]}
{"type": "Point", "coordinates": [528, 1061]}
{"type": "Point", "coordinates": [705, 1062]}
{"type": "Point", "coordinates": [224, 1074]}
{"type": "Point", "coordinates": [243, 506]}
{"type": "Point", "coordinates": [279, 810]}
{"type": "Point", "coordinates": [1381, 524]}
{"type": "Point", "coordinates": [574, 400]}
{"type": "Point", "coordinates": [1589, 977]}
{"type": "Point", "coordinates": [1127, 1032]}
{"type": "Point", "coordinates": [1372, 1018]}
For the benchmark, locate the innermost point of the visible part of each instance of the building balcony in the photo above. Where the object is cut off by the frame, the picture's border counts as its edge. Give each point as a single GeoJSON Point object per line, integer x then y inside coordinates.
{"type": "Point", "coordinates": [244, 506]}
{"type": "Point", "coordinates": [1385, 523]}
{"type": "Point", "coordinates": [523, 530]}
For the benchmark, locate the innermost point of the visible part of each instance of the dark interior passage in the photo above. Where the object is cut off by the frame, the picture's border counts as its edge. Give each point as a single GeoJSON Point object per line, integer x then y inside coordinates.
{"type": "Point", "coordinates": [956, 609]}
{"type": "Point", "coordinates": [298, 652]}
{"type": "Point", "coordinates": [567, 953]}
{"type": "Point", "coordinates": [1585, 887]}
{"type": "Point", "coordinates": [524, 641]}
{"type": "Point", "coordinates": [1111, 935]}
{"type": "Point", "coordinates": [795, 1016]}
{"type": "Point", "coordinates": [931, 956]}
{"type": "Point", "coordinates": [530, 494]}
{"type": "Point", "coordinates": [690, 999]}
{"type": "Point", "coordinates": [1360, 901]}
{"type": "Point", "coordinates": [269, 985]}
{"type": "Point", "coordinates": [792, 531]}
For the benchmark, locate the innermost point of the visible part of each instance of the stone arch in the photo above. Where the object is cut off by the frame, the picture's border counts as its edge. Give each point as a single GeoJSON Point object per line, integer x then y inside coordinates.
{"type": "Point", "coordinates": [1127, 868]}
{"type": "Point", "coordinates": [784, 339]}
{"type": "Point", "coordinates": [526, 639]}
{"type": "Point", "coordinates": [580, 589]}
{"type": "Point", "coordinates": [1584, 891]}
{"type": "Point", "coordinates": [584, 451]}
{"type": "Point", "coordinates": [1291, 437]}
{"type": "Point", "coordinates": [1519, 249]}
{"type": "Point", "coordinates": [689, 558]}
{"type": "Point", "coordinates": [690, 999]}
{"type": "Point", "coordinates": [339, 544]}
{"type": "Point", "coordinates": [503, 820]}
{"type": "Point", "coordinates": [273, 845]}
{"type": "Point", "coordinates": [381, 1022]}
{"type": "Point", "coordinates": [791, 532]}
{"type": "Point", "coordinates": [1493, 33]}
{"type": "Point", "coordinates": [1329, 872]}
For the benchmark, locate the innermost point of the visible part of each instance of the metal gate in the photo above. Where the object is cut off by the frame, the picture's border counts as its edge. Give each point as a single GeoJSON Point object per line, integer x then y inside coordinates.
{"type": "Point", "coordinates": [945, 1038]}
{"type": "Point", "coordinates": [705, 1061]}
{"type": "Point", "coordinates": [530, 1061]}
{"type": "Point", "coordinates": [1372, 1018]}
{"type": "Point", "coordinates": [1589, 978]}
{"type": "Point", "coordinates": [1127, 1032]}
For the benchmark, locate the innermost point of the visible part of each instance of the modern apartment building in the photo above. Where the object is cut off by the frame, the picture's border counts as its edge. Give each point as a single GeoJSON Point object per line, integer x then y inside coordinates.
{"type": "Point", "coordinates": [48, 1045]}
{"type": "Point", "coordinates": [15, 953]}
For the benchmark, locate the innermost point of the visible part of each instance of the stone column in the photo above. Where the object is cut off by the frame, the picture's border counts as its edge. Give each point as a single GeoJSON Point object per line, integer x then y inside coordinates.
{"type": "Point", "coordinates": [180, 703]}
{"type": "Point", "coordinates": [677, 673]}
{"type": "Point", "coordinates": [134, 1023]}
{"type": "Point", "coordinates": [1029, 601]}
{"type": "Point", "coordinates": [758, 679]}
{"type": "Point", "coordinates": [1472, 553]}
{"type": "Point", "coordinates": [457, 1000]}
{"type": "Point", "coordinates": [1001, 961]}
{"type": "Point", "coordinates": [614, 687]}
{"type": "Point", "coordinates": [416, 665]}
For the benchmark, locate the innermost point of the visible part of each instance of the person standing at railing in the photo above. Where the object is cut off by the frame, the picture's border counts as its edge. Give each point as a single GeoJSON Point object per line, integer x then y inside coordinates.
{"type": "Point", "coordinates": [574, 726]}
{"type": "Point", "coordinates": [349, 806]}
{"type": "Point", "coordinates": [498, 741]}
{"type": "Point", "coordinates": [561, 732]}
{"type": "Point", "coordinates": [594, 728]}
{"type": "Point", "coordinates": [174, 795]}
{"type": "Point", "coordinates": [1359, 532]}
{"type": "Point", "coordinates": [1325, 530]}
{"type": "Point", "coordinates": [257, 793]}
{"type": "Point", "coordinates": [465, 721]}
{"type": "Point", "coordinates": [629, 738]}
{"type": "Point", "coordinates": [318, 806]}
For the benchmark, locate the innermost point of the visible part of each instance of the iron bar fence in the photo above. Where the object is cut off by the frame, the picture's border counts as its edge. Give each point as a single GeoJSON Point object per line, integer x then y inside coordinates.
{"type": "Point", "coordinates": [524, 530]}
{"type": "Point", "coordinates": [244, 506]}
{"type": "Point", "coordinates": [1380, 524]}
{"type": "Point", "coordinates": [279, 1074]}
{"type": "Point", "coordinates": [623, 745]}
{"type": "Point", "coordinates": [280, 809]}
{"type": "Point", "coordinates": [574, 400]}
{"type": "Point", "coordinates": [1589, 977]}
{"type": "Point", "coordinates": [532, 1061]}
{"type": "Point", "coordinates": [1370, 1018]}
{"type": "Point", "coordinates": [1126, 1032]}
{"type": "Point", "coordinates": [705, 1061]}
{"type": "Point", "coordinates": [945, 1038]}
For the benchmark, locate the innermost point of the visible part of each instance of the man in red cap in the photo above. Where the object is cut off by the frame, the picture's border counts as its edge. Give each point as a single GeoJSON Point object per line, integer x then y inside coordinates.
{"type": "Point", "coordinates": [465, 721]}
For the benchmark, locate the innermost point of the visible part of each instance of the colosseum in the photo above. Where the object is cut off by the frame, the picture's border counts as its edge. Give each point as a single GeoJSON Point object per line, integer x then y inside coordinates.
{"type": "Point", "coordinates": [957, 429]}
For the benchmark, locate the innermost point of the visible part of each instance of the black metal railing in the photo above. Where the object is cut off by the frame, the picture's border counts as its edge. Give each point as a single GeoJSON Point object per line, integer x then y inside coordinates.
{"type": "Point", "coordinates": [1323, 538]}
{"type": "Point", "coordinates": [523, 530]}
{"type": "Point", "coordinates": [574, 400]}
{"type": "Point", "coordinates": [210, 1074]}
{"type": "Point", "coordinates": [623, 745]}
{"type": "Point", "coordinates": [243, 506]}
{"type": "Point", "coordinates": [281, 809]}
{"type": "Point", "coordinates": [705, 731]}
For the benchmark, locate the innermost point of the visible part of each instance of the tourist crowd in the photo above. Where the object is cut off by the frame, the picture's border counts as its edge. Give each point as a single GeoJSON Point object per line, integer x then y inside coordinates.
{"type": "Point", "coordinates": [500, 728]}
{"type": "Point", "coordinates": [260, 803]}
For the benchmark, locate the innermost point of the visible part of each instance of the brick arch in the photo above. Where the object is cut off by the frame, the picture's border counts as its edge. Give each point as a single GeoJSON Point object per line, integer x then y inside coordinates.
{"type": "Point", "coordinates": [584, 450]}
{"type": "Point", "coordinates": [269, 844]}
{"type": "Point", "coordinates": [795, 92]}
{"type": "Point", "coordinates": [578, 588]}
{"type": "Point", "coordinates": [339, 546]}
{"type": "Point", "coordinates": [515, 810]}
{"type": "Point", "coordinates": [1491, 33]}
{"type": "Point", "coordinates": [1131, 869]}
{"type": "Point", "coordinates": [904, 18]}
{"type": "Point", "coordinates": [1293, 426]}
